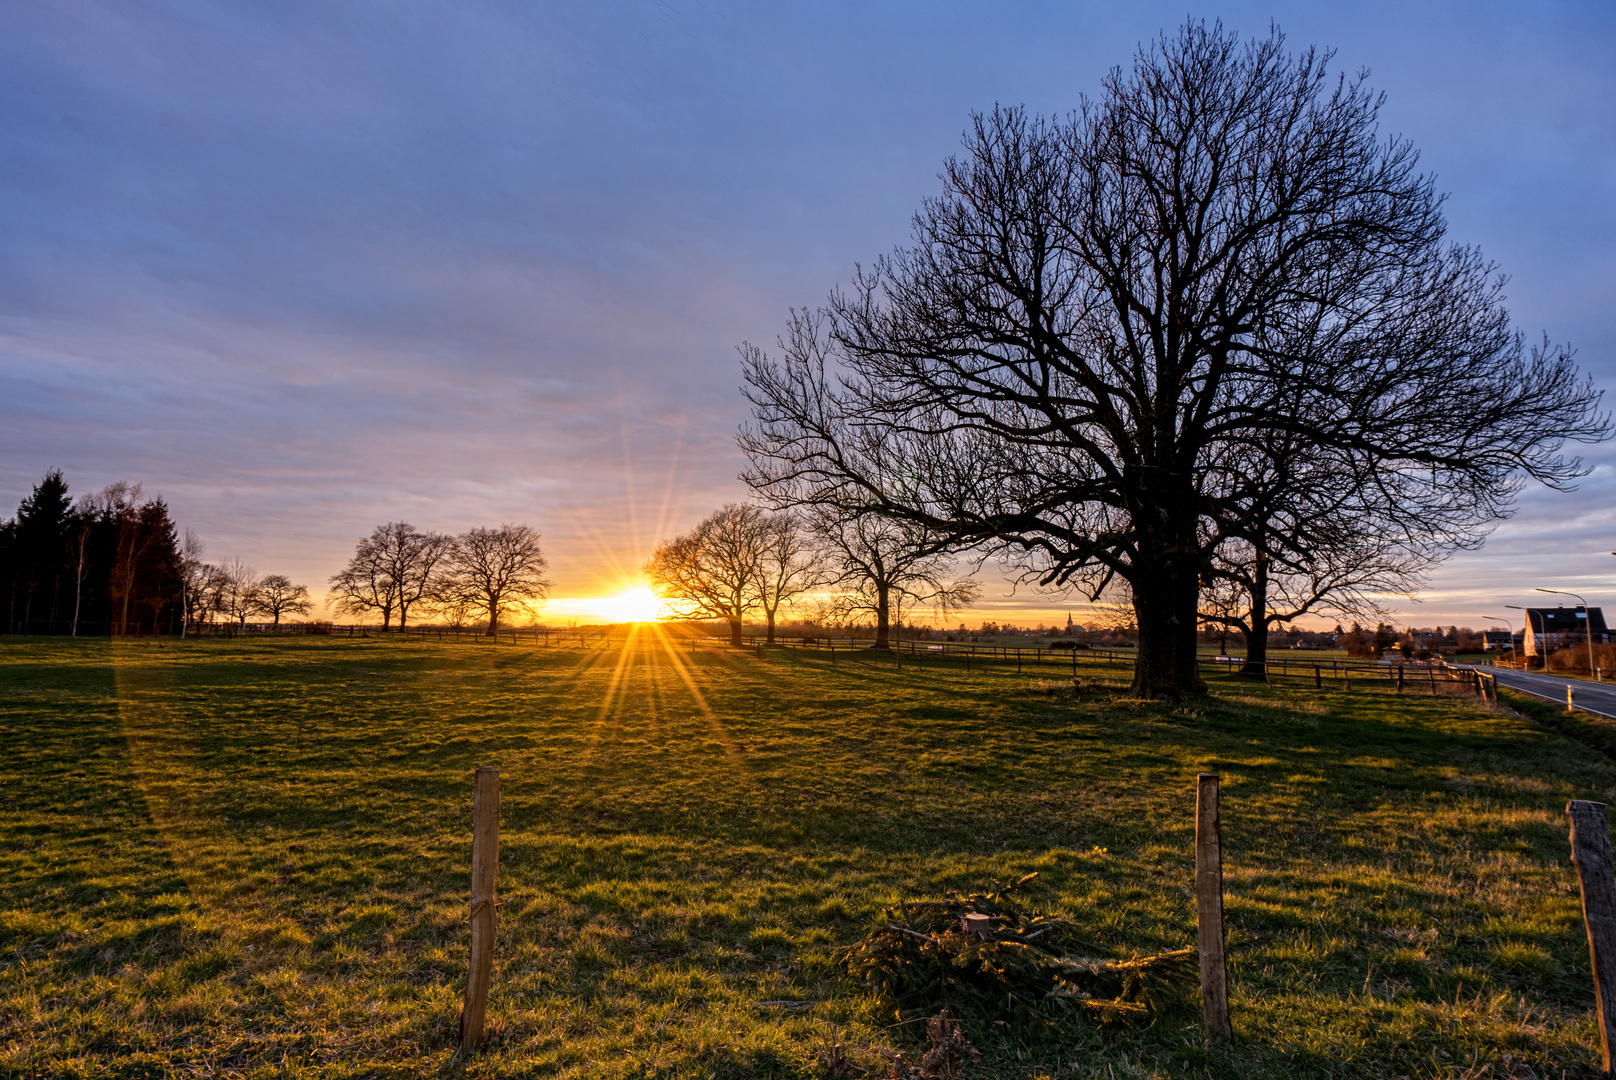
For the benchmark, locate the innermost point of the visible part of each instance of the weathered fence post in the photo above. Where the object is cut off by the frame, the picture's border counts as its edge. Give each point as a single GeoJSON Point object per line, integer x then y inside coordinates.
{"type": "Point", "coordinates": [484, 871]}
{"type": "Point", "coordinates": [1399, 678]}
{"type": "Point", "coordinates": [1209, 908]}
{"type": "Point", "coordinates": [1590, 854]}
{"type": "Point", "coordinates": [1318, 678]}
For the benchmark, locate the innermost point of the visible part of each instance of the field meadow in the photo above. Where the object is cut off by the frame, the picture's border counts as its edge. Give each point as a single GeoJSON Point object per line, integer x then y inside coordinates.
{"type": "Point", "coordinates": [239, 857]}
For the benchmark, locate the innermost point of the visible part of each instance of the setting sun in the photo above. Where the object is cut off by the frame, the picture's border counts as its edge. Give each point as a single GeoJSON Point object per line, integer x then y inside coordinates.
{"type": "Point", "coordinates": [638, 604]}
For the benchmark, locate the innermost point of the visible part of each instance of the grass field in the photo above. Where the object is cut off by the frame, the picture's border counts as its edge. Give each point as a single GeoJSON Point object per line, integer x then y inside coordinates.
{"type": "Point", "coordinates": [249, 858]}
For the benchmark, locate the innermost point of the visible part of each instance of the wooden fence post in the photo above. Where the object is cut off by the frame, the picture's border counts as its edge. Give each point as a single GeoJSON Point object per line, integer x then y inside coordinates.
{"type": "Point", "coordinates": [1209, 908]}
{"type": "Point", "coordinates": [1590, 854]}
{"type": "Point", "coordinates": [484, 871]}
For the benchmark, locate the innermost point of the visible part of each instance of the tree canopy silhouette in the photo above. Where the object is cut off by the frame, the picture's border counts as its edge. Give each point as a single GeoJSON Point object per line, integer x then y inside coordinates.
{"type": "Point", "coordinates": [1106, 319]}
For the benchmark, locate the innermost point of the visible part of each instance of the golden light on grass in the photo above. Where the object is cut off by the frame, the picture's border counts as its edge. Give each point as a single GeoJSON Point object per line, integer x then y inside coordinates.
{"type": "Point", "coordinates": [633, 605]}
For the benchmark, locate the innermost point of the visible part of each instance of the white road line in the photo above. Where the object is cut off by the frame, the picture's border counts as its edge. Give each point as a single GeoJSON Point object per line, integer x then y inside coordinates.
{"type": "Point", "coordinates": [1507, 677]}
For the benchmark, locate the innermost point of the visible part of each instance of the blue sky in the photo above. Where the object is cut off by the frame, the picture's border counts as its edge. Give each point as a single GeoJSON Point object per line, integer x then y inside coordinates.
{"type": "Point", "coordinates": [308, 267]}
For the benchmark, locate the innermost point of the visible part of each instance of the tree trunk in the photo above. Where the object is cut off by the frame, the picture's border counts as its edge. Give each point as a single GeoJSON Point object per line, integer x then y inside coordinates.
{"type": "Point", "coordinates": [493, 617]}
{"type": "Point", "coordinates": [768, 614]}
{"type": "Point", "coordinates": [1256, 665]}
{"type": "Point", "coordinates": [883, 617]}
{"type": "Point", "coordinates": [78, 589]}
{"type": "Point", "coordinates": [735, 632]}
{"type": "Point", "coordinates": [1165, 603]}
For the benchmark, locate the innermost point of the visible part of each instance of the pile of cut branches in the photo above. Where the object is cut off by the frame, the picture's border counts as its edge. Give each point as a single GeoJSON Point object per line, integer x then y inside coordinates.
{"type": "Point", "coordinates": [990, 956]}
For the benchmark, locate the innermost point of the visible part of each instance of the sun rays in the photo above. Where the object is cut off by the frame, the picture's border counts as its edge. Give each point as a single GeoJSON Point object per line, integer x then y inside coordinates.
{"type": "Point", "coordinates": [647, 651]}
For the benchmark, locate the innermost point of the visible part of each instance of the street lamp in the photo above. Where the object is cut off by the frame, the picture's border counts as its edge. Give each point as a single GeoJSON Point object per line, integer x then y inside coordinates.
{"type": "Point", "coordinates": [1588, 620]}
{"type": "Point", "coordinates": [1526, 620]}
{"type": "Point", "coordinates": [1508, 627]}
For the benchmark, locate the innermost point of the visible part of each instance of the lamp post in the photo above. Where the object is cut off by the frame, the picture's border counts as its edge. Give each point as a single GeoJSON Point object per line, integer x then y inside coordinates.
{"type": "Point", "coordinates": [1526, 621]}
{"type": "Point", "coordinates": [1588, 628]}
{"type": "Point", "coordinates": [1509, 628]}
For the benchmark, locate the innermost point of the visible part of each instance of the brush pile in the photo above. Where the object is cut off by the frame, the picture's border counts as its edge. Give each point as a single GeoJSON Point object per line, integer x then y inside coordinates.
{"type": "Point", "coordinates": [989, 956]}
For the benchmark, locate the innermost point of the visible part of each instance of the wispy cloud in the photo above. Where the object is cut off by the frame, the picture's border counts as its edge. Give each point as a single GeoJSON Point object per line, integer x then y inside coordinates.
{"type": "Point", "coordinates": [309, 267]}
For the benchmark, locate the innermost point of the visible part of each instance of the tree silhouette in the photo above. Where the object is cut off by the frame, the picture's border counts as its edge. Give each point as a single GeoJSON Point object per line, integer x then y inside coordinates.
{"type": "Point", "coordinates": [1103, 317]}
{"type": "Point", "coordinates": [789, 565]}
{"type": "Point", "coordinates": [275, 596]}
{"type": "Point", "coordinates": [488, 570]}
{"type": "Point", "coordinates": [883, 566]}
{"type": "Point", "coordinates": [715, 570]}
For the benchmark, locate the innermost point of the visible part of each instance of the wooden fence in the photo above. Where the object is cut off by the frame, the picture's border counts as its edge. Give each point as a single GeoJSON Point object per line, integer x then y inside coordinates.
{"type": "Point", "coordinates": [1316, 673]}
{"type": "Point", "coordinates": [1286, 670]}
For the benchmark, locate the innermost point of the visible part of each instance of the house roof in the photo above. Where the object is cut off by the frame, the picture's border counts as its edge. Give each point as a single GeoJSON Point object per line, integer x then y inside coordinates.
{"type": "Point", "coordinates": [1565, 620]}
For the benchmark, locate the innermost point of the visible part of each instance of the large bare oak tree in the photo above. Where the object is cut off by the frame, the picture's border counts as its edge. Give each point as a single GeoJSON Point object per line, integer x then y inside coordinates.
{"type": "Point", "coordinates": [1103, 317]}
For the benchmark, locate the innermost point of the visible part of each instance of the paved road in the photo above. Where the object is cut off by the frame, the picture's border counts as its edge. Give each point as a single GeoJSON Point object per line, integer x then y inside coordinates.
{"type": "Point", "coordinates": [1595, 697]}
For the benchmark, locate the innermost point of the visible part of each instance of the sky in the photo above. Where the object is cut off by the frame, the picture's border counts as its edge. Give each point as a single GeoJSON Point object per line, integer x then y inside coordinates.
{"type": "Point", "coordinates": [307, 267]}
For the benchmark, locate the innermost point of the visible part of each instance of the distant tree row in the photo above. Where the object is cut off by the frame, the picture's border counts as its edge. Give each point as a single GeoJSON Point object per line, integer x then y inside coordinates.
{"type": "Point", "coordinates": [743, 559]}
{"type": "Point", "coordinates": [1416, 643]}
{"type": "Point", "coordinates": [114, 562]}
{"type": "Point", "coordinates": [234, 593]}
{"type": "Point", "coordinates": [398, 570]}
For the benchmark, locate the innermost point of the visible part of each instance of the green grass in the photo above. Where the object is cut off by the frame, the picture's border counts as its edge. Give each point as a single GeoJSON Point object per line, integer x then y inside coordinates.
{"type": "Point", "coordinates": [1592, 730]}
{"type": "Point", "coordinates": [250, 858]}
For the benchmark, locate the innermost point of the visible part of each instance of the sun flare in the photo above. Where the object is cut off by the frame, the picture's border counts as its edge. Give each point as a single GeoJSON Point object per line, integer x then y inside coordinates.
{"type": "Point", "coordinates": [637, 604]}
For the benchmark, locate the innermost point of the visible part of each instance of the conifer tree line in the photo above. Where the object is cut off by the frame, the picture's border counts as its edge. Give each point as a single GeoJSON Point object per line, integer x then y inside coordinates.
{"type": "Point", "coordinates": [114, 562]}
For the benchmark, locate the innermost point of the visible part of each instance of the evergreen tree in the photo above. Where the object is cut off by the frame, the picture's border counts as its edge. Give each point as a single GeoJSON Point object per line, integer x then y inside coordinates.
{"type": "Point", "coordinates": [37, 564]}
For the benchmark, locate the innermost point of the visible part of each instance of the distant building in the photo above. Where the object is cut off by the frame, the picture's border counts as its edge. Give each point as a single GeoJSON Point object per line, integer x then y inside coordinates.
{"type": "Point", "coordinates": [1548, 629]}
{"type": "Point", "coordinates": [1497, 639]}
